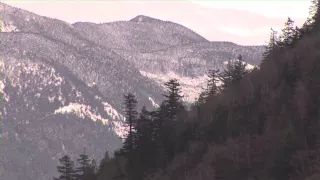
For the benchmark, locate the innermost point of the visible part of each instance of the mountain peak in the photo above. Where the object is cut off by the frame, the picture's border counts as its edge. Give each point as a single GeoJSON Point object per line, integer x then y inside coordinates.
{"type": "Point", "coordinates": [143, 18]}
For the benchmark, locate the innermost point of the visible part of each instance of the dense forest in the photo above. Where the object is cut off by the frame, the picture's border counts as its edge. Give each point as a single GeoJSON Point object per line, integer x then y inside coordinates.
{"type": "Point", "coordinates": [261, 124]}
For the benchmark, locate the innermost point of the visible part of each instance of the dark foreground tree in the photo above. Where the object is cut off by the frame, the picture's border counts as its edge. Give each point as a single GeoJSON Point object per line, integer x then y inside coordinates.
{"type": "Point", "coordinates": [234, 72]}
{"type": "Point", "coordinates": [85, 169]}
{"type": "Point", "coordinates": [173, 99]}
{"type": "Point", "coordinates": [131, 116]}
{"type": "Point", "coordinates": [66, 169]}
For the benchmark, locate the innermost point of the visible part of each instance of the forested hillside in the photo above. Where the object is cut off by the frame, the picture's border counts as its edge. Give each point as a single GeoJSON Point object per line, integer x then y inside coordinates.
{"type": "Point", "coordinates": [63, 83]}
{"type": "Point", "coordinates": [261, 124]}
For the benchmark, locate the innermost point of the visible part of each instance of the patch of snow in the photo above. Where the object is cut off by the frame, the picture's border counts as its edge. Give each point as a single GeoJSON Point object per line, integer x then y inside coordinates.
{"type": "Point", "coordinates": [92, 84]}
{"type": "Point", "coordinates": [190, 50]}
{"type": "Point", "coordinates": [4, 96]}
{"type": "Point", "coordinates": [248, 66]}
{"type": "Point", "coordinates": [112, 112]}
{"type": "Point", "coordinates": [78, 94]}
{"type": "Point", "coordinates": [81, 110]}
{"type": "Point", "coordinates": [51, 99]}
{"type": "Point", "coordinates": [121, 129]}
{"type": "Point", "coordinates": [64, 149]}
{"type": "Point", "coordinates": [190, 87]}
{"type": "Point", "coordinates": [153, 103]}
{"type": "Point", "coordinates": [8, 27]}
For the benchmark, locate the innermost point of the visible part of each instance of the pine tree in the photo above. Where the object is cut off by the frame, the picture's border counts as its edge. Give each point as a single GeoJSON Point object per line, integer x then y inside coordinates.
{"type": "Point", "coordinates": [83, 168]}
{"type": "Point", "coordinates": [212, 87]}
{"type": "Point", "coordinates": [104, 160]}
{"type": "Point", "coordinates": [145, 143]}
{"type": "Point", "coordinates": [270, 48]}
{"type": "Point", "coordinates": [144, 127]}
{"type": "Point", "coordinates": [158, 131]}
{"type": "Point", "coordinates": [173, 99]}
{"type": "Point", "coordinates": [141, 154]}
{"type": "Point", "coordinates": [91, 171]}
{"type": "Point", "coordinates": [202, 98]}
{"type": "Point", "coordinates": [94, 166]}
{"type": "Point", "coordinates": [66, 169]}
{"type": "Point", "coordinates": [288, 33]}
{"type": "Point", "coordinates": [172, 107]}
{"type": "Point", "coordinates": [211, 90]}
{"type": "Point", "coordinates": [234, 72]}
{"type": "Point", "coordinates": [131, 115]}
{"type": "Point", "coordinates": [314, 11]}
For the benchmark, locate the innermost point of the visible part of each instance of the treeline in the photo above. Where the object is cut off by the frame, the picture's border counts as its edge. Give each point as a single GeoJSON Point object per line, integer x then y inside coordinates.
{"type": "Point", "coordinates": [260, 124]}
{"type": "Point", "coordinates": [154, 137]}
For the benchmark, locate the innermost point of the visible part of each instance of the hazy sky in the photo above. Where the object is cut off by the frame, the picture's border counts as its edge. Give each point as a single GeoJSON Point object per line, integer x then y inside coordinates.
{"type": "Point", "coordinates": [242, 22]}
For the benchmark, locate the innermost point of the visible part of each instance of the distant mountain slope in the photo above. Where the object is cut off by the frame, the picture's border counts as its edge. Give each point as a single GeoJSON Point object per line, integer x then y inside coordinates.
{"type": "Point", "coordinates": [189, 63]}
{"type": "Point", "coordinates": [140, 34]}
{"type": "Point", "coordinates": [112, 75]}
{"type": "Point", "coordinates": [64, 83]}
{"type": "Point", "coordinates": [36, 129]}
{"type": "Point", "coordinates": [191, 60]}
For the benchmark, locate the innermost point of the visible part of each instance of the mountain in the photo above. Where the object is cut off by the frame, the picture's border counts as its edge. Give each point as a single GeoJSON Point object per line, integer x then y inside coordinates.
{"type": "Point", "coordinates": [140, 34]}
{"type": "Point", "coordinates": [63, 84]}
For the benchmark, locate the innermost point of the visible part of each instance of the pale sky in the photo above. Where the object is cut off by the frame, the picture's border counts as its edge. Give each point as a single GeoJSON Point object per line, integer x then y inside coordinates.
{"type": "Point", "coordinates": [243, 22]}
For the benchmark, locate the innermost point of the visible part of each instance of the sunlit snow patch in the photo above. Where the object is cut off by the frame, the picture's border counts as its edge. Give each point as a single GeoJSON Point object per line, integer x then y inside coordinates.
{"type": "Point", "coordinates": [153, 103]}
{"type": "Point", "coordinates": [190, 87]}
{"type": "Point", "coordinates": [8, 27]}
{"type": "Point", "coordinates": [81, 110]}
{"type": "Point", "coordinates": [248, 66]}
{"type": "Point", "coordinates": [112, 112]}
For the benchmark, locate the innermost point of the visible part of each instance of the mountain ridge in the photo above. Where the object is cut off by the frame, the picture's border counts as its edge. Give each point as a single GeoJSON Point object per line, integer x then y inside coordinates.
{"type": "Point", "coordinates": [72, 80]}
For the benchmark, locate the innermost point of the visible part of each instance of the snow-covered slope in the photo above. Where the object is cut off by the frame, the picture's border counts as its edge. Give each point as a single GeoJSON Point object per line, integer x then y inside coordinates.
{"type": "Point", "coordinates": [46, 113]}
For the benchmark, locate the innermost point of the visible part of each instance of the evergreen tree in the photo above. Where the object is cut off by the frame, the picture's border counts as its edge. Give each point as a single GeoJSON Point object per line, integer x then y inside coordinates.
{"type": "Point", "coordinates": [172, 107]}
{"type": "Point", "coordinates": [270, 48]}
{"type": "Point", "coordinates": [84, 165]}
{"type": "Point", "coordinates": [158, 131]}
{"type": "Point", "coordinates": [234, 72]}
{"type": "Point", "coordinates": [202, 98]}
{"type": "Point", "coordinates": [314, 11]}
{"type": "Point", "coordinates": [145, 144]}
{"type": "Point", "coordinates": [173, 99]}
{"type": "Point", "coordinates": [212, 87]}
{"type": "Point", "coordinates": [288, 33]}
{"type": "Point", "coordinates": [104, 160]}
{"type": "Point", "coordinates": [94, 166]}
{"type": "Point", "coordinates": [91, 171]}
{"type": "Point", "coordinates": [211, 90]}
{"type": "Point", "coordinates": [131, 115]}
{"type": "Point", "coordinates": [144, 128]}
{"type": "Point", "coordinates": [66, 169]}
